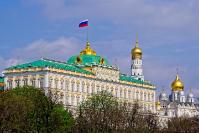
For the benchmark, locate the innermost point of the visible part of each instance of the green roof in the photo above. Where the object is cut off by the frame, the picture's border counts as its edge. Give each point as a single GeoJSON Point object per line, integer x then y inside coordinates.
{"type": "Point", "coordinates": [1, 79]}
{"type": "Point", "coordinates": [51, 64]}
{"type": "Point", "coordinates": [69, 67]}
{"type": "Point", "coordinates": [87, 60]}
{"type": "Point", "coordinates": [1, 88]}
{"type": "Point", "coordinates": [124, 77]}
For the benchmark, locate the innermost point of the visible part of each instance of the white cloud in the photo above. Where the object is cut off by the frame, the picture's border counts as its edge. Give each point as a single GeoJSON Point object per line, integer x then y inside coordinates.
{"type": "Point", "coordinates": [8, 62]}
{"type": "Point", "coordinates": [60, 48]}
{"type": "Point", "coordinates": [139, 12]}
{"type": "Point", "coordinates": [158, 22]}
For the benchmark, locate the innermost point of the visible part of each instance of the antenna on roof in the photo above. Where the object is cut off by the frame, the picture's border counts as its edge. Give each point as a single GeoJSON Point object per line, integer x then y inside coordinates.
{"type": "Point", "coordinates": [115, 62]}
{"type": "Point", "coordinates": [177, 70]}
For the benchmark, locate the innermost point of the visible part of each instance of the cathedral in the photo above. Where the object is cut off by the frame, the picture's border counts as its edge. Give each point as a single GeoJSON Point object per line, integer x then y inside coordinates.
{"type": "Point", "coordinates": [85, 74]}
{"type": "Point", "coordinates": [177, 103]}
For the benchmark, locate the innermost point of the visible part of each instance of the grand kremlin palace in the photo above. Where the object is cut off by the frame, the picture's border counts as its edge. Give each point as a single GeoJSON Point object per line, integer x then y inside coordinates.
{"type": "Point", "coordinates": [83, 75]}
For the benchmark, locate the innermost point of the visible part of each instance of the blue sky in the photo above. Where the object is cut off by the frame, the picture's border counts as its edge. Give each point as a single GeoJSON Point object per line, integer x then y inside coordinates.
{"type": "Point", "coordinates": [168, 34]}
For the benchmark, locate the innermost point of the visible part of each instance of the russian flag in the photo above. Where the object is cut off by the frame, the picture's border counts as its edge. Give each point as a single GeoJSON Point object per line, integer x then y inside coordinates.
{"type": "Point", "coordinates": [84, 23]}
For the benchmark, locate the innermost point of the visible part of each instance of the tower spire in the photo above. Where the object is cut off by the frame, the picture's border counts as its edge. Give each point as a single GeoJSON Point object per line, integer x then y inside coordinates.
{"type": "Point", "coordinates": [190, 90]}
{"type": "Point", "coordinates": [136, 43]}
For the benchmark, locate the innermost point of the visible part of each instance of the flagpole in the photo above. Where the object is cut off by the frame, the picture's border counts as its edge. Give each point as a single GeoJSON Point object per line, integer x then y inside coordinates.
{"type": "Point", "coordinates": [87, 33]}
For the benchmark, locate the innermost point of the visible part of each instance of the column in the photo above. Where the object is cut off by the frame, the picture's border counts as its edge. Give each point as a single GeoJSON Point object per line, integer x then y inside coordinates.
{"type": "Point", "coordinates": [46, 83]}
{"type": "Point", "coordinates": [80, 86]}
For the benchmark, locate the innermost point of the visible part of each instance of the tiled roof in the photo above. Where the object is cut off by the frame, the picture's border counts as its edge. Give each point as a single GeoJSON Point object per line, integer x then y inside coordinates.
{"type": "Point", "coordinates": [1, 83]}
{"type": "Point", "coordinates": [68, 67]}
{"type": "Point", "coordinates": [127, 78]}
{"type": "Point", "coordinates": [1, 79]}
{"type": "Point", "coordinates": [87, 60]}
{"type": "Point", "coordinates": [51, 64]}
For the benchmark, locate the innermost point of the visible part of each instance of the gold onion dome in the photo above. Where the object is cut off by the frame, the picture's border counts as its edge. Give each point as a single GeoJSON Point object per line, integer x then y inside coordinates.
{"type": "Point", "coordinates": [136, 52]}
{"type": "Point", "coordinates": [177, 84]}
{"type": "Point", "coordinates": [88, 50]}
{"type": "Point", "coordinates": [158, 103]}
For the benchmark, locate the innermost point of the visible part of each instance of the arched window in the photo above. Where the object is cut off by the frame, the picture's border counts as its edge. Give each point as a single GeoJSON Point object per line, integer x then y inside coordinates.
{"type": "Point", "coordinates": [83, 87]}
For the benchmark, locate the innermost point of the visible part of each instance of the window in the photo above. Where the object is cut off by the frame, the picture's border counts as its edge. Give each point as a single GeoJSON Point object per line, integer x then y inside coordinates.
{"type": "Point", "coordinates": [78, 100]}
{"type": "Point", "coordinates": [10, 84]}
{"type": "Point", "coordinates": [73, 85]}
{"type": "Point", "coordinates": [78, 87]}
{"type": "Point", "coordinates": [93, 88]}
{"type": "Point", "coordinates": [137, 95]}
{"type": "Point", "coordinates": [83, 87]}
{"type": "Point", "coordinates": [144, 96]}
{"type": "Point", "coordinates": [67, 85]}
{"type": "Point", "coordinates": [62, 85]}
{"type": "Point", "coordinates": [152, 97]}
{"type": "Point", "coordinates": [17, 82]}
{"type": "Point", "coordinates": [33, 82]}
{"type": "Point", "coordinates": [98, 88]}
{"type": "Point", "coordinates": [129, 94]}
{"type": "Point", "coordinates": [41, 83]}
{"type": "Point", "coordinates": [149, 99]}
{"type": "Point", "coordinates": [141, 96]}
{"type": "Point", "coordinates": [50, 83]}
{"type": "Point", "coordinates": [116, 94]}
{"type": "Point", "coordinates": [56, 83]}
{"type": "Point", "coordinates": [25, 82]}
{"type": "Point", "coordinates": [125, 94]}
{"type": "Point", "coordinates": [61, 96]}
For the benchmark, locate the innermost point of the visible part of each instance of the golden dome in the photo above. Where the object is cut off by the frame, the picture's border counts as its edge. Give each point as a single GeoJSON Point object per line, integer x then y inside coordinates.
{"type": "Point", "coordinates": [177, 84]}
{"type": "Point", "coordinates": [157, 103]}
{"type": "Point", "coordinates": [136, 52]}
{"type": "Point", "coordinates": [88, 50]}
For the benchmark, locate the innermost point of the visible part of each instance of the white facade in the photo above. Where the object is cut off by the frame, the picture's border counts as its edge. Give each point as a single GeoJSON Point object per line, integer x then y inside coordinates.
{"type": "Point", "coordinates": [177, 105]}
{"type": "Point", "coordinates": [136, 69]}
{"type": "Point", "coordinates": [71, 88]}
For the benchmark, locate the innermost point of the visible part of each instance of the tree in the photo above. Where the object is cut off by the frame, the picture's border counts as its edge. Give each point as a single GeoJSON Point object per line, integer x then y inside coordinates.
{"type": "Point", "coordinates": [13, 112]}
{"type": "Point", "coordinates": [98, 114]}
{"type": "Point", "coordinates": [30, 110]}
{"type": "Point", "coordinates": [103, 113]}
{"type": "Point", "coordinates": [183, 124]}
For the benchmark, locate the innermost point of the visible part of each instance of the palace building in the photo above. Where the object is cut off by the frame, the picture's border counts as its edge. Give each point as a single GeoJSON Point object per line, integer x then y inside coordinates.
{"type": "Point", "coordinates": [83, 75]}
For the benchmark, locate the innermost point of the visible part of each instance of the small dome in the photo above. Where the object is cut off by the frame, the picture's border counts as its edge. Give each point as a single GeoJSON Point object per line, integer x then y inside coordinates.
{"type": "Point", "coordinates": [177, 84]}
{"type": "Point", "coordinates": [190, 95]}
{"type": "Point", "coordinates": [181, 93]}
{"type": "Point", "coordinates": [163, 96]}
{"type": "Point", "coordinates": [136, 52]}
{"type": "Point", "coordinates": [88, 50]}
{"type": "Point", "coordinates": [158, 104]}
{"type": "Point", "coordinates": [87, 57]}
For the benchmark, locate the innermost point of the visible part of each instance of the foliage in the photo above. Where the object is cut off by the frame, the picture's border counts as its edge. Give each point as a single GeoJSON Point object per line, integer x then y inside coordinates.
{"type": "Point", "coordinates": [103, 113]}
{"type": "Point", "coordinates": [27, 109]}
{"type": "Point", "coordinates": [183, 124]}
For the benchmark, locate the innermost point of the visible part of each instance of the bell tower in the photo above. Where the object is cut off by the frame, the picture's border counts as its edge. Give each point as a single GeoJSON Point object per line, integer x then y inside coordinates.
{"type": "Point", "coordinates": [136, 65]}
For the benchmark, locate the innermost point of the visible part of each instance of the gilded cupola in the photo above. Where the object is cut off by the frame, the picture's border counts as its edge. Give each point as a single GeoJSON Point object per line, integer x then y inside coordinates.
{"type": "Point", "coordinates": [136, 52]}
{"type": "Point", "coordinates": [87, 57]}
{"type": "Point", "coordinates": [88, 50]}
{"type": "Point", "coordinates": [177, 84]}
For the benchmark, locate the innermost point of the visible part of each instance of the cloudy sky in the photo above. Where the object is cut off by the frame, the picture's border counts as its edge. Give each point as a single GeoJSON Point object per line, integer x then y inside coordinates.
{"type": "Point", "coordinates": [168, 34]}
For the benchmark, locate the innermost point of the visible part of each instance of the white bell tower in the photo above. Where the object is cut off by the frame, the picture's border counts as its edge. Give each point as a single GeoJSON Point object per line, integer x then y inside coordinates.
{"type": "Point", "coordinates": [136, 65]}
